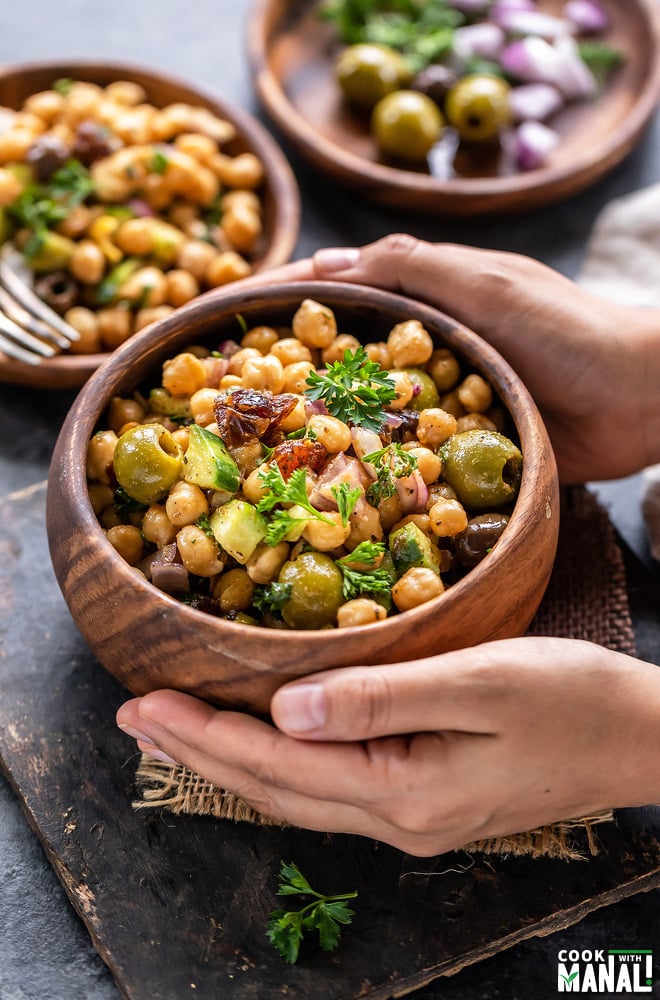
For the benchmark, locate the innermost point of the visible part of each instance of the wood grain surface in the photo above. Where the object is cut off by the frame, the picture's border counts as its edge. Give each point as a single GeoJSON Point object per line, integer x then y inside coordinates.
{"type": "Point", "coordinates": [177, 907]}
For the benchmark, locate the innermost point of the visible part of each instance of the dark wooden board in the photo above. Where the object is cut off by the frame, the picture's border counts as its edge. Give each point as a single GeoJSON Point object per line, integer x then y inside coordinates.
{"type": "Point", "coordinates": [177, 906]}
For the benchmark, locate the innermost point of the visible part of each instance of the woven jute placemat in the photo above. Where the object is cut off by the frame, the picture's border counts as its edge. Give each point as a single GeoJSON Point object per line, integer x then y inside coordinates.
{"type": "Point", "coordinates": [586, 599]}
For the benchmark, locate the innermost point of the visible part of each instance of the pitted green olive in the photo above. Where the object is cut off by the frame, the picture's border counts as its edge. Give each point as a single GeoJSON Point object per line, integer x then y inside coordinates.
{"type": "Point", "coordinates": [147, 462]}
{"type": "Point", "coordinates": [478, 107]}
{"type": "Point", "coordinates": [316, 591]}
{"type": "Point", "coordinates": [484, 467]}
{"type": "Point", "coordinates": [368, 72]}
{"type": "Point", "coordinates": [406, 125]}
{"type": "Point", "coordinates": [425, 391]}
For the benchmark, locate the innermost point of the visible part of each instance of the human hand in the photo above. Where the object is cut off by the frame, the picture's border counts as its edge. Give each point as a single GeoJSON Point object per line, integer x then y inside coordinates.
{"type": "Point", "coordinates": [592, 366]}
{"type": "Point", "coordinates": [508, 736]}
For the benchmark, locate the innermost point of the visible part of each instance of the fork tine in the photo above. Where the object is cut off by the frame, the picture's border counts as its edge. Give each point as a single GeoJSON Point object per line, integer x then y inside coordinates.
{"type": "Point", "coordinates": [12, 350]}
{"type": "Point", "coordinates": [30, 301]}
{"type": "Point", "coordinates": [20, 336]}
{"type": "Point", "coordinates": [15, 312]}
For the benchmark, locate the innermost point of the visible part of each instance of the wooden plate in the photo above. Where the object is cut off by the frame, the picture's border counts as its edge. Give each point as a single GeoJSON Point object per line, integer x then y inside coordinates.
{"type": "Point", "coordinates": [292, 54]}
{"type": "Point", "coordinates": [280, 194]}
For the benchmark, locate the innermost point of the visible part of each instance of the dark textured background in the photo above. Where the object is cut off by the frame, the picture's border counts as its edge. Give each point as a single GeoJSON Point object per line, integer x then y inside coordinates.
{"type": "Point", "coordinates": [45, 951]}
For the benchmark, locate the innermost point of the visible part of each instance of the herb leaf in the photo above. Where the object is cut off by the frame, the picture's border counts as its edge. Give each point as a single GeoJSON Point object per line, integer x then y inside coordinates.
{"type": "Point", "coordinates": [325, 914]}
{"type": "Point", "coordinates": [280, 491]}
{"type": "Point", "coordinates": [391, 463]}
{"type": "Point", "coordinates": [346, 500]}
{"type": "Point", "coordinates": [273, 597]}
{"type": "Point", "coordinates": [354, 390]}
{"type": "Point", "coordinates": [364, 581]}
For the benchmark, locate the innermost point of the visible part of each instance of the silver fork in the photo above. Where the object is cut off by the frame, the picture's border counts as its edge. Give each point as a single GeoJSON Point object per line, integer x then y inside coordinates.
{"type": "Point", "coordinates": [29, 329]}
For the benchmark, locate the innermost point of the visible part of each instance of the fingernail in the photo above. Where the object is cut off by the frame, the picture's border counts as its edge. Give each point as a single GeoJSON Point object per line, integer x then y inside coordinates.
{"type": "Point", "coordinates": [135, 733]}
{"type": "Point", "coordinates": [302, 708]}
{"type": "Point", "coordinates": [157, 754]}
{"type": "Point", "coordinates": [336, 259]}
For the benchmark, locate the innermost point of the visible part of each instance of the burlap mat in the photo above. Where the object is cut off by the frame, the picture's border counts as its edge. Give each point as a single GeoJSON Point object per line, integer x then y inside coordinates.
{"type": "Point", "coordinates": [586, 599]}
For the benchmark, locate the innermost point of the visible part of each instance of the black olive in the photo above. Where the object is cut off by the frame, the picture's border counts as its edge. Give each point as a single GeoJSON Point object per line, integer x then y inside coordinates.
{"type": "Point", "coordinates": [481, 534]}
{"type": "Point", "coordinates": [47, 154]}
{"type": "Point", "coordinates": [92, 141]}
{"type": "Point", "coordinates": [435, 81]}
{"type": "Point", "coordinates": [58, 290]}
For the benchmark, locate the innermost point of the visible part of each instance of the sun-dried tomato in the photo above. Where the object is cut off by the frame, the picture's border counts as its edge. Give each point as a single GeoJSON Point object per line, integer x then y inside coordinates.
{"type": "Point", "coordinates": [292, 455]}
{"type": "Point", "coordinates": [246, 414]}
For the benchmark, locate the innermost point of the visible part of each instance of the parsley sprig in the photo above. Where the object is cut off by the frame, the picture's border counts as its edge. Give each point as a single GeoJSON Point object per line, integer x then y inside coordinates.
{"type": "Point", "coordinates": [391, 463]}
{"type": "Point", "coordinates": [354, 390]}
{"type": "Point", "coordinates": [273, 597]}
{"type": "Point", "coordinates": [280, 491]}
{"type": "Point", "coordinates": [370, 580]}
{"type": "Point", "coordinates": [346, 500]}
{"type": "Point", "coordinates": [325, 914]}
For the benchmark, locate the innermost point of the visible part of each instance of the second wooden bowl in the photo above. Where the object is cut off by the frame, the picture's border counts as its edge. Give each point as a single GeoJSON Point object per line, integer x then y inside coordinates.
{"type": "Point", "coordinates": [149, 640]}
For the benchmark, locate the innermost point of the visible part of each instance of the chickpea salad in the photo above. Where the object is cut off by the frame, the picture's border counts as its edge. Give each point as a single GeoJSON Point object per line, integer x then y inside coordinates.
{"type": "Point", "coordinates": [298, 479]}
{"type": "Point", "coordinates": [123, 211]}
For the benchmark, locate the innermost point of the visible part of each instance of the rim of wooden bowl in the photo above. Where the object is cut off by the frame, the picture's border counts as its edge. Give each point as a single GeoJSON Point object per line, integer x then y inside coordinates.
{"type": "Point", "coordinates": [70, 371]}
{"type": "Point", "coordinates": [461, 196]}
{"type": "Point", "coordinates": [137, 357]}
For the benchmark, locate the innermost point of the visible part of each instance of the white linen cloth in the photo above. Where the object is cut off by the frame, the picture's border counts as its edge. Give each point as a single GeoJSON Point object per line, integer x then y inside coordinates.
{"type": "Point", "coordinates": [622, 264]}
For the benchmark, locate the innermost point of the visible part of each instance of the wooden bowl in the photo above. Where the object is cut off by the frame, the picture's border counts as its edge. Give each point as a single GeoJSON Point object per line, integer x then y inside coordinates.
{"type": "Point", "coordinates": [280, 194]}
{"type": "Point", "coordinates": [149, 640]}
{"type": "Point", "coordinates": [292, 55]}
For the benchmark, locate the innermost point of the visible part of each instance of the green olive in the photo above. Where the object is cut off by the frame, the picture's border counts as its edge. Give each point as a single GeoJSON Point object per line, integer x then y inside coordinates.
{"type": "Point", "coordinates": [54, 253]}
{"type": "Point", "coordinates": [425, 391]}
{"type": "Point", "coordinates": [147, 462]}
{"type": "Point", "coordinates": [482, 531]}
{"type": "Point", "coordinates": [478, 107]}
{"type": "Point", "coordinates": [368, 72]}
{"type": "Point", "coordinates": [406, 125]}
{"type": "Point", "coordinates": [316, 591]}
{"type": "Point", "coordinates": [484, 467]}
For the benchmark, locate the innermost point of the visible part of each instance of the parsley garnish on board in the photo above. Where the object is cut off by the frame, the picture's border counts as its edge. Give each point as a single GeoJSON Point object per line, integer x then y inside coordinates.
{"type": "Point", "coordinates": [354, 390]}
{"type": "Point", "coordinates": [364, 581]}
{"type": "Point", "coordinates": [325, 914]}
{"type": "Point", "coordinates": [391, 463]}
{"type": "Point", "coordinates": [280, 491]}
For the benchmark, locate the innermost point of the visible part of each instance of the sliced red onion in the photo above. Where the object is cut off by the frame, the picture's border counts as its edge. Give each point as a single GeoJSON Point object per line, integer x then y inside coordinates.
{"type": "Point", "coordinates": [393, 419]}
{"type": "Point", "coordinates": [534, 60]}
{"type": "Point", "coordinates": [534, 142]}
{"type": "Point", "coordinates": [167, 572]}
{"type": "Point", "coordinates": [588, 16]}
{"type": "Point", "coordinates": [228, 348]}
{"type": "Point", "coordinates": [315, 407]}
{"type": "Point", "coordinates": [532, 22]}
{"type": "Point", "coordinates": [365, 442]}
{"type": "Point", "coordinates": [412, 492]}
{"type": "Point", "coordinates": [501, 7]}
{"type": "Point", "coordinates": [577, 80]}
{"type": "Point", "coordinates": [534, 102]}
{"type": "Point", "coordinates": [484, 40]}
{"type": "Point", "coordinates": [140, 208]}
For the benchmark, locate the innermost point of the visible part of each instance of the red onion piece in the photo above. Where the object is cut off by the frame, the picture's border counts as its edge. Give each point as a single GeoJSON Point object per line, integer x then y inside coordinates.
{"type": "Point", "coordinates": [534, 143]}
{"type": "Point", "coordinates": [315, 407]}
{"type": "Point", "coordinates": [228, 348]}
{"type": "Point", "coordinates": [412, 492]}
{"type": "Point", "coordinates": [577, 80]}
{"type": "Point", "coordinates": [501, 7]}
{"type": "Point", "coordinates": [532, 22]}
{"type": "Point", "coordinates": [534, 60]}
{"type": "Point", "coordinates": [140, 208]}
{"type": "Point", "coordinates": [167, 572]}
{"type": "Point", "coordinates": [484, 40]}
{"type": "Point", "coordinates": [534, 102]}
{"type": "Point", "coordinates": [588, 16]}
{"type": "Point", "coordinates": [364, 443]}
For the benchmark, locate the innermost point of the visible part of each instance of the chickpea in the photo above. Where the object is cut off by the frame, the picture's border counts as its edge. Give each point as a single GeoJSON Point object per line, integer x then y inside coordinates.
{"type": "Point", "coordinates": [100, 497]}
{"type": "Point", "coordinates": [230, 381]}
{"type": "Point", "coordinates": [246, 199]}
{"type": "Point", "coordinates": [185, 504]}
{"type": "Point", "coordinates": [333, 434]}
{"type": "Point", "coordinates": [448, 518]}
{"type": "Point", "coordinates": [199, 553]}
{"type": "Point", "coordinates": [296, 419]}
{"type": "Point", "coordinates": [444, 369]}
{"type": "Point", "coordinates": [435, 426]}
{"type": "Point", "coordinates": [244, 171]}
{"type": "Point", "coordinates": [127, 541]}
{"type": "Point", "coordinates": [366, 525]}
{"type": "Point", "coordinates": [182, 437]}
{"type": "Point", "coordinates": [147, 286]}
{"type": "Point", "coordinates": [261, 338]}
{"type": "Point", "coordinates": [122, 411]}
{"type": "Point", "coordinates": [290, 350]}
{"type": "Point", "coordinates": [195, 256]}
{"type": "Point", "coordinates": [10, 187]}
{"type": "Point", "coordinates": [157, 527]}
{"type": "Point", "coordinates": [200, 147]}
{"type": "Point", "coordinates": [87, 262]}
{"type": "Point", "coordinates": [417, 586]}
{"type": "Point", "coordinates": [324, 536]}
{"type": "Point", "coordinates": [109, 518]}
{"type": "Point", "coordinates": [85, 322]}
{"type": "Point", "coordinates": [238, 359]}
{"type": "Point", "coordinates": [234, 590]}
{"type": "Point", "coordinates": [253, 487]}
{"type": "Point", "coordinates": [181, 287]}
{"type": "Point", "coordinates": [125, 92]}
{"type": "Point", "coordinates": [403, 388]}
{"type": "Point", "coordinates": [380, 353]}
{"type": "Point", "coordinates": [47, 104]}
{"type": "Point", "coordinates": [115, 326]}
{"type": "Point", "coordinates": [266, 562]}
{"type": "Point", "coordinates": [136, 236]}
{"type": "Point", "coordinates": [78, 220]}
{"type": "Point", "coordinates": [440, 491]}
{"type": "Point", "coordinates": [475, 394]}
{"type": "Point", "coordinates": [242, 227]}
{"type": "Point", "coordinates": [361, 611]}
{"type": "Point", "coordinates": [14, 144]}
{"type": "Point", "coordinates": [226, 267]}
{"type": "Point", "coordinates": [452, 404]}
{"type": "Point", "coordinates": [314, 324]}
{"type": "Point", "coordinates": [475, 422]}
{"type": "Point", "coordinates": [100, 453]}
{"type": "Point", "coordinates": [295, 376]}
{"type": "Point", "coordinates": [183, 375]}
{"type": "Point", "coordinates": [429, 464]}
{"type": "Point", "coordinates": [263, 373]}
{"type": "Point", "coordinates": [335, 352]}
{"type": "Point", "coordinates": [410, 344]}
{"type": "Point", "coordinates": [202, 405]}
{"type": "Point", "coordinates": [153, 314]}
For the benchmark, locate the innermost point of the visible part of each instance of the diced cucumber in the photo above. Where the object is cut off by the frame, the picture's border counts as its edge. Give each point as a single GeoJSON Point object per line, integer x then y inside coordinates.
{"type": "Point", "coordinates": [238, 528]}
{"type": "Point", "coordinates": [166, 405]}
{"type": "Point", "coordinates": [410, 547]}
{"type": "Point", "coordinates": [208, 464]}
